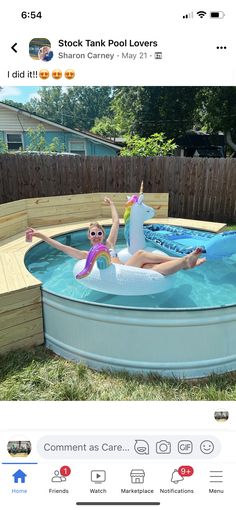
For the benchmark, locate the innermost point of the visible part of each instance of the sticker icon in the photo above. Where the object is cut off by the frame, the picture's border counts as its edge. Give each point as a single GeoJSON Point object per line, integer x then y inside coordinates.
{"type": "Point", "coordinates": [141, 447]}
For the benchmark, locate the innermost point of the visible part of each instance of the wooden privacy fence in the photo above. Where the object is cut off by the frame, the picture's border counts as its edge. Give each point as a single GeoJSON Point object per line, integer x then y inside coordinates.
{"type": "Point", "coordinates": [199, 188]}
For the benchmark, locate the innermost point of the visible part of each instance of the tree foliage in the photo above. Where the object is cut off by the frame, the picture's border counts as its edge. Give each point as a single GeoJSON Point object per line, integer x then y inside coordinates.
{"type": "Point", "coordinates": [105, 126]}
{"type": "Point", "coordinates": [75, 107]}
{"type": "Point", "coordinates": [141, 111]}
{"type": "Point", "coordinates": [155, 145]}
{"type": "Point", "coordinates": [38, 142]}
{"type": "Point", "coordinates": [147, 110]}
{"type": "Point", "coordinates": [216, 108]}
{"type": "Point", "coordinates": [16, 104]}
{"type": "Point", "coordinates": [3, 147]}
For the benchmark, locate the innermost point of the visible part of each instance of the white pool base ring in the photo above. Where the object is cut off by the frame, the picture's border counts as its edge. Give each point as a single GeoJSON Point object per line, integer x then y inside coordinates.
{"type": "Point", "coordinates": [175, 343]}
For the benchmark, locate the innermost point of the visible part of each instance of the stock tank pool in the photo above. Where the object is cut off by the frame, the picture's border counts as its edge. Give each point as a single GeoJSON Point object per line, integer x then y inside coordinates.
{"type": "Point", "coordinates": [188, 331]}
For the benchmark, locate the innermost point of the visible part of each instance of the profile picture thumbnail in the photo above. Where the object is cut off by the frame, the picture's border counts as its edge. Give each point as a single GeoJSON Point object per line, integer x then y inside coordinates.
{"type": "Point", "coordinates": [221, 416]}
{"type": "Point", "coordinates": [19, 448]}
{"type": "Point", "coordinates": [40, 49]}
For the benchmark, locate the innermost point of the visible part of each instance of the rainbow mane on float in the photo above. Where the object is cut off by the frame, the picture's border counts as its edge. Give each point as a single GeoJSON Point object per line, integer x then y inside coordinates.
{"type": "Point", "coordinates": [133, 200]}
{"type": "Point", "coordinates": [99, 254]}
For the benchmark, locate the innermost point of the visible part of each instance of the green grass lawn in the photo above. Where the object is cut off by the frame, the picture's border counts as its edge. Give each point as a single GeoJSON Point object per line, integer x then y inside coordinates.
{"type": "Point", "coordinates": [38, 374]}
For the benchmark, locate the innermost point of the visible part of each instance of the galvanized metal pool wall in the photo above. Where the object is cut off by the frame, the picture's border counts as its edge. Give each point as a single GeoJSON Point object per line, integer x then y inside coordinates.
{"type": "Point", "coordinates": [176, 343]}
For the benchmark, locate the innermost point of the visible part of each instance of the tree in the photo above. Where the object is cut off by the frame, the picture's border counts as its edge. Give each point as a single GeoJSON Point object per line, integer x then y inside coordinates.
{"type": "Point", "coordinates": [3, 147]}
{"type": "Point", "coordinates": [105, 126]}
{"type": "Point", "coordinates": [125, 108]}
{"type": "Point", "coordinates": [217, 111]}
{"type": "Point", "coordinates": [75, 107]}
{"type": "Point", "coordinates": [38, 142]}
{"type": "Point", "coordinates": [49, 105]}
{"type": "Point", "coordinates": [146, 110]}
{"type": "Point", "coordinates": [14, 103]}
{"type": "Point", "coordinates": [156, 145]}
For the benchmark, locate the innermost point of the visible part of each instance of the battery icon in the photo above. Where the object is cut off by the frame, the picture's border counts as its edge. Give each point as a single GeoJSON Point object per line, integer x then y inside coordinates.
{"type": "Point", "coordinates": [217, 14]}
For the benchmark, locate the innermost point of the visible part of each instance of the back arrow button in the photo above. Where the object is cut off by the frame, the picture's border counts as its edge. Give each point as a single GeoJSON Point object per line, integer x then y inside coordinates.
{"type": "Point", "coordinates": [13, 47]}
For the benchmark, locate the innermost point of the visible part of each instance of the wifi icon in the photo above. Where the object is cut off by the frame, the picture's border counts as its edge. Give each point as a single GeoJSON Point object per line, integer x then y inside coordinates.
{"type": "Point", "coordinates": [201, 14]}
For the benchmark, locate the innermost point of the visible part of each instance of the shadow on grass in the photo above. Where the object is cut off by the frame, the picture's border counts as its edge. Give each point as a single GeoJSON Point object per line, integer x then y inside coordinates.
{"type": "Point", "coordinates": [219, 381]}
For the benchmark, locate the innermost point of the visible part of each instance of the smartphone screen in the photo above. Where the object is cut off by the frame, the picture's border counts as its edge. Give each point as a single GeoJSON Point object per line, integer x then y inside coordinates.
{"type": "Point", "coordinates": [117, 254]}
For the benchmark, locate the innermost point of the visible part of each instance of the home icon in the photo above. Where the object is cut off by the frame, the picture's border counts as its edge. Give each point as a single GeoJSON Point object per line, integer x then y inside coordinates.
{"type": "Point", "coordinates": [137, 476]}
{"type": "Point", "coordinates": [19, 476]}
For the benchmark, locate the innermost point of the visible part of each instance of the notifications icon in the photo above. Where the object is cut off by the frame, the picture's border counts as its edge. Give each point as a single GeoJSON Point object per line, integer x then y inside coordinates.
{"type": "Point", "coordinates": [141, 447]}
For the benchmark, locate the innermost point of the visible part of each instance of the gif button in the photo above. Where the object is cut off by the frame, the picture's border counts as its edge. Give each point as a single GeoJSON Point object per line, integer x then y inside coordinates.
{"type": "Point", "coordinates": [185, 446]}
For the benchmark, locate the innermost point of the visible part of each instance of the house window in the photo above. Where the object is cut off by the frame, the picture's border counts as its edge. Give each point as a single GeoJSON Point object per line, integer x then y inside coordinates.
{"type": "Point", "coordinates": [14, 142]}
{"type": "Point", "coordinates": [77, 148]}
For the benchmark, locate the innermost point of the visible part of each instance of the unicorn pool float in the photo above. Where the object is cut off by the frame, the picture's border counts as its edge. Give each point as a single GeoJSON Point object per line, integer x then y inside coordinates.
{"type": "Point", "coordinates": [99, 273]}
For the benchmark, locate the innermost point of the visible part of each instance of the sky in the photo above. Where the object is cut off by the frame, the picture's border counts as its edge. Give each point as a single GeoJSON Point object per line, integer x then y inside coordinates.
{"type": "Point", "coordinates": [19, 94]}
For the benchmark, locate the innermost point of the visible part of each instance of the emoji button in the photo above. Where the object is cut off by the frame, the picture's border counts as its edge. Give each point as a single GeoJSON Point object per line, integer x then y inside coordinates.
{"type": "Point", "coordinates": [56, 74]}
{"type": "Point", "coordinates": [44, 74]}
{"type": "Point", "coordinates": [69, 74]}
{"type": "Point", "coordinates": [207, 446]}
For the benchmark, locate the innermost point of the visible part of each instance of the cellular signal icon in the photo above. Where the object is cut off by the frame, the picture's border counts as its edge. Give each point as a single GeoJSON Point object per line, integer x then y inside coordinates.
{"type": "Point", "coordinates": [189, 15]}
{"type": "Point", "coordinates": [201, 14]}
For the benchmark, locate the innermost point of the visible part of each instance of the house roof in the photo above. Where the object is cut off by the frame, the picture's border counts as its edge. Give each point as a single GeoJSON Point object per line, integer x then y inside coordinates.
{"type": "Point", "coordinates": [84, 134]}
{"type": "Point", "coordinates": [119, 141]}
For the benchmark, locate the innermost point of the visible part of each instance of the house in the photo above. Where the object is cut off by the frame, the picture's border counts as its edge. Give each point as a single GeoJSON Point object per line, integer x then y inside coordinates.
{"type": "Point", "coordinates": [15, 123]}
{"type": "Point", "coordinates": [196, 143]}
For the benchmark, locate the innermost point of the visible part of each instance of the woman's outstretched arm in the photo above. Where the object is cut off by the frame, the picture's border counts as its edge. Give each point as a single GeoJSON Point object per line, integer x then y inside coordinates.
{"type": "Point", "coordinates": [112, 238]}
{"type": "Point", "coordinates": [72, 252]}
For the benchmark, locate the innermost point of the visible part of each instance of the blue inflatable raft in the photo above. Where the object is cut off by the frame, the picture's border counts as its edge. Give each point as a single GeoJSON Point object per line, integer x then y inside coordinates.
{"type": "Point", "coordinates": [179, 241]}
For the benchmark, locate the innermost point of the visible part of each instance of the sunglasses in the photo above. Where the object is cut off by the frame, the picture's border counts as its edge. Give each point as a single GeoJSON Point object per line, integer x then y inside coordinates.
{"type": "Point", "coordinates": [99, 233]}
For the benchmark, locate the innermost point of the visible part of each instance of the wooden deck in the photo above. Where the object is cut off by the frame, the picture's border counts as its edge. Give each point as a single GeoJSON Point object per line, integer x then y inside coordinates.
{"type": "Point", "coordinates": [21, 317]}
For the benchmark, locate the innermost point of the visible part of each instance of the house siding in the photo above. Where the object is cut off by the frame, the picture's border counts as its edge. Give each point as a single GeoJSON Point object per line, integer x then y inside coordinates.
{"type": "Point", "coordinates": [97, 149]}
{"type": "Point", "coordinates": [11, 121]}
{"type": "Point", "coordinates": [19, 122]}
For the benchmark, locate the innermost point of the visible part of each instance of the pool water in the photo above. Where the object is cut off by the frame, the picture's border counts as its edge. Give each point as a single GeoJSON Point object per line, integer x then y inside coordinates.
{"type": "Point", "coordinates": [211, 285]}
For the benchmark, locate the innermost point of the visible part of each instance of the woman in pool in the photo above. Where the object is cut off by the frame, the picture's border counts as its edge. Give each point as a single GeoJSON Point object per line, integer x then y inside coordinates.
{"type": "Point", "coordinates": [96, 234]}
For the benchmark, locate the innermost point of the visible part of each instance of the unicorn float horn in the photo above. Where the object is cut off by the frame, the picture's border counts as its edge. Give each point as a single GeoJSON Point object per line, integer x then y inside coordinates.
{"type": "Point", "coordinates": [141, 188]}
{"type": "Point", "coordinates": [99, 254]}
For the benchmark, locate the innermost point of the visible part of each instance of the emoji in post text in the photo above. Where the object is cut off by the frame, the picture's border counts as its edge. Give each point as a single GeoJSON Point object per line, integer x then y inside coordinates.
{"type": "Point", "coordinates": [69, 74]}
{"type": "Point", "coordinates": [57, 74]}
{"type": "Point", "coordinates": [44, 74]}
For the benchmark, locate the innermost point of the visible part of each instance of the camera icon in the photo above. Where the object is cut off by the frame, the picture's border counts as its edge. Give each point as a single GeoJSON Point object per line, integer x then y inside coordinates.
{"type": "Point", "coordinates": [163, 447]}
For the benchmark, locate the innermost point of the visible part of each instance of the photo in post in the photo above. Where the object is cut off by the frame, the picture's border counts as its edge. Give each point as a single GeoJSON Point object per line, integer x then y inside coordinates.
{"type": "Point", "coordinates": [131, 191]}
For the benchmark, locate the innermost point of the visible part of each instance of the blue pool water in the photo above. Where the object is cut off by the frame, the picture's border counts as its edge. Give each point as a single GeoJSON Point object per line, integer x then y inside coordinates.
{"type": "Point", "coordinates": [209, 286]}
